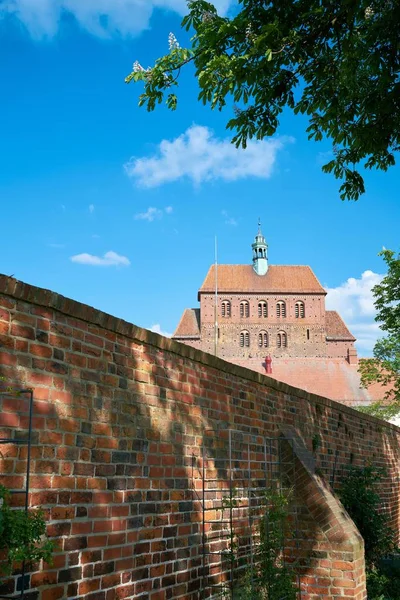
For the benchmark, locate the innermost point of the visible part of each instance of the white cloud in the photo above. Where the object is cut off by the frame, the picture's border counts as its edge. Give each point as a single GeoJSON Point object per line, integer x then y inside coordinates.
{"type": "Point", "coordinates": [153, 213]}
{"type": "Point", "coordinates": [103, 18]}
{"type": "Point", "coordinates": [200, 156]}
{"type": "Point", "coordinates": [353, 298]}
{"type": "Point", "coordinates": [110, 259]}
{"type": "Point", "coordinates": [367, 334]}
{"type": "Point", "coordinates": [150, 215]}
{"type": "Point", "coordinates": [354, 301]}
{"type": "Point", "coordinates": [228, 220]}
{"type": "Point", "coordinates": [91, 208]}
{"type": "Point", "coordinates": [157, 329]}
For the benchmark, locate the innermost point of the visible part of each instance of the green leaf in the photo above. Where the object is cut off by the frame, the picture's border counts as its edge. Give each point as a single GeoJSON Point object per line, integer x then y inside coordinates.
{"type": "Point", "coordinates": [350, 92]}
{"type": "Point", "coordinates": [172, 101]}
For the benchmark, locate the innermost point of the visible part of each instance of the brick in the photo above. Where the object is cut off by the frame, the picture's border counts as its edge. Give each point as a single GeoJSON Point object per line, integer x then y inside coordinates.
{"type": "Point", "coordinates": [63, 512]}
{"type": "Point", "coordinates": [89, 586]}
{"type": "Point", "coordinates": [81, 527]}
{"type": "Point", "coordinates": [39, 350]}
{"type": "Point", "coordinates": [8, 359]}
{"type": "Point", "coordinates": [95, 596]}
{"type": "Point", "coordinates": [56, 367]}
{"type": "Point", "coordinates": [53, 593]}
{"type": "Point", "coordinates": [59, 529]}
{"type": "Point", "coordinates": [22, 331]}
{"type": "Point", "coordinates": [75, 543]}
{"type": "Point", "coordinates": [97, 541]}
{"type": "Point", "coordinates": [46, 578]}
{"type": "Point", "coordinates": [72, 590]}
{"type": "Point", "coordinates": [67, 575]}
{"type": "Point", "coordinates": [59, 482]}
{"type": "Point", "coordinates": [9, 420]}
{"type": "Point", "coordinates": [81, 497]}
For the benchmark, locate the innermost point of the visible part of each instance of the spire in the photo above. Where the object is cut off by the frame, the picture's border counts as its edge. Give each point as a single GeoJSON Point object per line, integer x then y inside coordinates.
{"type": "Point", "coordinates": [260, 260]}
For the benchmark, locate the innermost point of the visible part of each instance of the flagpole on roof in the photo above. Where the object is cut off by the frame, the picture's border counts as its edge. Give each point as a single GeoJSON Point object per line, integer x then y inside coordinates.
{"type": "Point", "coordinates": [216, 302]}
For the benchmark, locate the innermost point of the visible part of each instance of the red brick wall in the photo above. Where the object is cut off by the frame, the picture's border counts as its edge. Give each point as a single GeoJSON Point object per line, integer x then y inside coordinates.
{"type": "Point", "coordinates": [119, 418]}
{"type": "Point", "coordinates": [335, 349]}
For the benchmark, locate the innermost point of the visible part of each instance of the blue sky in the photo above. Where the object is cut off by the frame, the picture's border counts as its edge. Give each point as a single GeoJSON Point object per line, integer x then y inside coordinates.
{"type": "Point", "coordinates": [118, 208]}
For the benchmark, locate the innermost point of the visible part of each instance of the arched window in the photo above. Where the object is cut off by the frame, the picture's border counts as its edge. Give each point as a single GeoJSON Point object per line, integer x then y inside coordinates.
{"type": "Point", "coordinates": [299, 310]}
{"type": "Point", "coordinates": [281, 340]}
{"type": "Point", "coordinates": [244, 339]}
{"type": "Point", "coordinates": [281, 309]}
{"type": "Point", "coordinates": [244, 308]}
{"type": "Point", "coordinates": [263, 339]}
{"type": "Point", "coordinates": [262, 309]}
{"type": "Point", "coordinates": [226, 308]}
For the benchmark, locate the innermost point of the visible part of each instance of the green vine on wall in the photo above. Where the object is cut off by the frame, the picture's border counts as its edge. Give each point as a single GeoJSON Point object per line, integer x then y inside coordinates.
{"type": "Point", "coordinates": [269, 577]}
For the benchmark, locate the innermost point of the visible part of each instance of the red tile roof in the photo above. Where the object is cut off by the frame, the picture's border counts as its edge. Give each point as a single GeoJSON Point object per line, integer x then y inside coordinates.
{"type": "Point", "coordinates": [189, 325]}
{"type": "Point", "coordinates": [336, 328]}
{"type": "Point", "coordinates": [329, 377]}
{"type": "Point", "coordinates": [279, 278]}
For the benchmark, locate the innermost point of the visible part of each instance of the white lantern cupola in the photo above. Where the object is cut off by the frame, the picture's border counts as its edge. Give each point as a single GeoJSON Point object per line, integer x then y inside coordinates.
{"type": "Point", "coordinates": [260, 257]}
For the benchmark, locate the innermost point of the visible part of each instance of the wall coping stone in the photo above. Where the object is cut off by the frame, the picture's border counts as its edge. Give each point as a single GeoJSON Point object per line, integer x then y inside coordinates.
{"type": "Point", "coordinates": [25, 292]}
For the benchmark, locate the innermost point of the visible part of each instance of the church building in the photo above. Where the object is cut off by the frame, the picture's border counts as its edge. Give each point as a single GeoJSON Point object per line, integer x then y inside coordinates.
{"type": "Point", "coordinates": [272, 318]}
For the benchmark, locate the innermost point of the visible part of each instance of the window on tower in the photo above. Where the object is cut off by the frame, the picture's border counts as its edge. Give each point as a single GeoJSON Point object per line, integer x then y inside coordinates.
{"type": "Point", "coordinates": [226, 308]}
{"type": "Point", "coordinates": [262, 310]}
{"type": "Point", "coordinates": [281, 309]}
{"type": "Point", "coordinates": [281, 340]}
{"type": "Point", "coordinates": [244, 309]}
{"type": "Point", "coordinates": [244, 339]}
{"type": "Point", "coordinates": [299, 310]}
{"type": "Point", "coordinates": [263, 339]}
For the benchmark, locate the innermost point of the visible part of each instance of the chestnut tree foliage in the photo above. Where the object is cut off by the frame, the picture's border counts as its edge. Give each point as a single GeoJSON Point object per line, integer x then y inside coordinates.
{"type": "Point", "coordinates": [384, 367]}
{"type": "Point", "coordinates": [335, 61]}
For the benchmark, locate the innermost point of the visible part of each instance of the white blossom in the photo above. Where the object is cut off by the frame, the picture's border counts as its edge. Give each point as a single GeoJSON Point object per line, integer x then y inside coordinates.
{"type": "Point", "coordinates": [249, 32]}
{"type": "Point", "coordinates": [369, 12]}
{"type": "Point", "coordinates": [137, 67]}
{"type": "Point", "coordinates": [172, 42]}
{"type": "Point", "coordinates": [207, 16]}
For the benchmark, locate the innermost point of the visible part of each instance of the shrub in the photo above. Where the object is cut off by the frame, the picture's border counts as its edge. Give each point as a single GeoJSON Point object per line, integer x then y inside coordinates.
{"type": "Point", "coordinates": [360, 497]}
{"type": "Point", "coordinates": [270, 578]}
{"type": "Point", "coordinates": [22, 534]}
